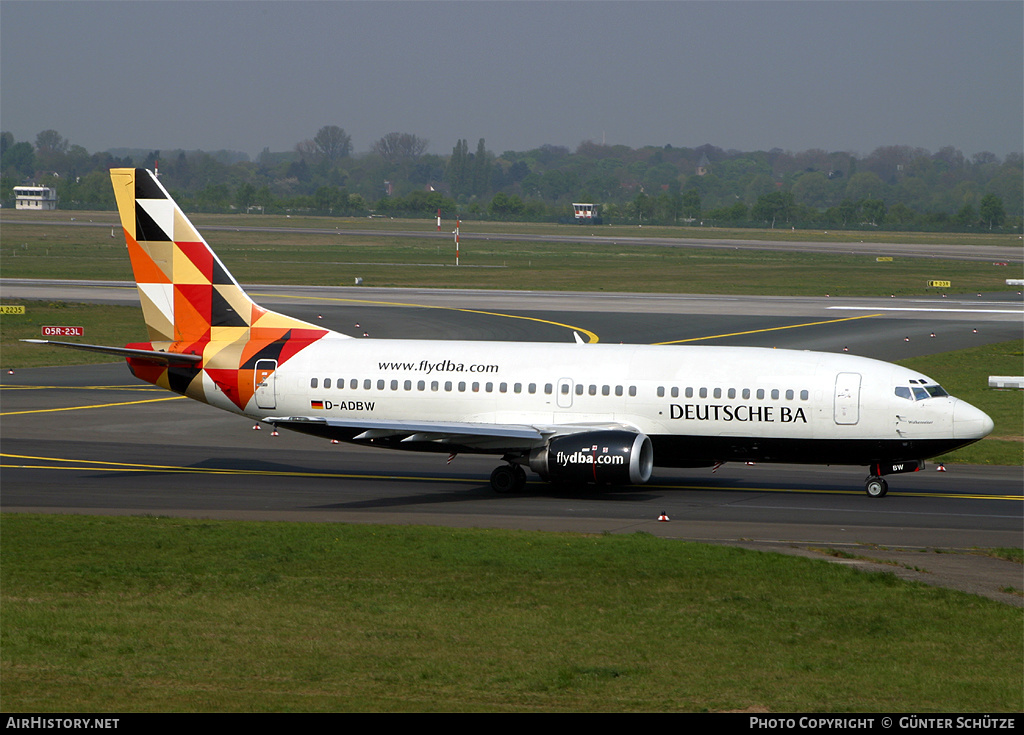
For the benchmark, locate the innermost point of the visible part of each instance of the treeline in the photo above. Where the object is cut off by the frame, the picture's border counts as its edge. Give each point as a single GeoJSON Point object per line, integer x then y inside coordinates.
{"type": "Point", "coordinates": [894, 187]}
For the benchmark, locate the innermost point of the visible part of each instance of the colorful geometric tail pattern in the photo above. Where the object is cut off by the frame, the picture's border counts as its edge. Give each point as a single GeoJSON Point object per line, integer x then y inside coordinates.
{"type": "Point", "coordinates": [192, 304]}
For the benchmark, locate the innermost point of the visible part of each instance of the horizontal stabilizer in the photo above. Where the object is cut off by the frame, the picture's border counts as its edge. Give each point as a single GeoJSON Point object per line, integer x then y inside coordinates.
{"type": "Point", "coordinates": [164, 358]}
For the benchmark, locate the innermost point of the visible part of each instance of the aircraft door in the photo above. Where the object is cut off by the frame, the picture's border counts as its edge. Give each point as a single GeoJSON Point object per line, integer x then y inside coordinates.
{"type": "Point", "coordinates": [265, 383]}
{"type": "Point", "coordinates": [847, 399]}
{"type": "Point", "coordinates": [563, 393]}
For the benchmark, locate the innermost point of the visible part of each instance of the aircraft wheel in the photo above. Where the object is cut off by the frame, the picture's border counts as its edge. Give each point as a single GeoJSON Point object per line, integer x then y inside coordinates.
{"type": "Point", "coordinates": [876, 487]}
{"type": "Point", "coordinates": [508, 478]}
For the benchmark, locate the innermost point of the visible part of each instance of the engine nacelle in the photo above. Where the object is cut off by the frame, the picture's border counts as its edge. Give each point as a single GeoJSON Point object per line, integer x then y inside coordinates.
{"type": "Point", "coordinates": [613, 457]}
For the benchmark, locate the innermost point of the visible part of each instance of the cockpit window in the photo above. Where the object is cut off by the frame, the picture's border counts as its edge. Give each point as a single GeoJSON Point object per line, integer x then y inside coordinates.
{"type": "Point", "coordinates": [920, 392]}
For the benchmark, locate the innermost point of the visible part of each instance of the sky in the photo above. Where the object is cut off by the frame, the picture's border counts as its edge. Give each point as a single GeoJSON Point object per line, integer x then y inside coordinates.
{"type": "Point", "coordinates": [747, 75]}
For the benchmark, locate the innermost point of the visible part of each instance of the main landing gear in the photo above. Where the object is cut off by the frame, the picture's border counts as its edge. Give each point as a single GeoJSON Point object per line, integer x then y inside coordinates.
{"type": "Point", "coordinates": [876, 487]}
{"type": "Point", "coordinates": [508, 478]}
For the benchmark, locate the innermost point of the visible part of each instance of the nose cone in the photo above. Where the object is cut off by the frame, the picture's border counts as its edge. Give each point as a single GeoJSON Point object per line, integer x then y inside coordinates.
{"type": "Point", "coordinates": [970, 422]}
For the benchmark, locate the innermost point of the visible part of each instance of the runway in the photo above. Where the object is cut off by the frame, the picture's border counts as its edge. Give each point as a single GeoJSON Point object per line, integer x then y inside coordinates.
{"type": "Point", "coordinates": [90, 439]}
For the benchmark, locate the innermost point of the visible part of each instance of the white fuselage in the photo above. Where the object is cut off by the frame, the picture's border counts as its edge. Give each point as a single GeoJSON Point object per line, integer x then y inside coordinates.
{"type": "Point", "coordinates": [726, 403]}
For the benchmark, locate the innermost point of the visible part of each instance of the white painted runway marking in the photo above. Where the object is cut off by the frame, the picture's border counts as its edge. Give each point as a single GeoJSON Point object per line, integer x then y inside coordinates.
{"type": "Point", "coordinates": [937, 310]}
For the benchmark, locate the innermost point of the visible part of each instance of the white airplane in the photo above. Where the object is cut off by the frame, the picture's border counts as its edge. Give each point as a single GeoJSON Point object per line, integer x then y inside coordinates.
{"type": "Point", "coordinates": [574, 413]}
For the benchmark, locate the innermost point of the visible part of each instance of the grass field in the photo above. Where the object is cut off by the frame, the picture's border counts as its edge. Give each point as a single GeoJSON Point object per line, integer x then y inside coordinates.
{"type": "Point", "coordinates": [384, 224]}
{"type": "Point", "coordinates": [159, 614]}
{"type": "Point", "coordinates": [38, 251]}
{"type": "Point", "coordinates": [103, 324]}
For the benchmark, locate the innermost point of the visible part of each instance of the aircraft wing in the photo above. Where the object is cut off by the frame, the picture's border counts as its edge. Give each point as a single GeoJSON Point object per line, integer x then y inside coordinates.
{"type": "Point", "coordinates": [434, 435]}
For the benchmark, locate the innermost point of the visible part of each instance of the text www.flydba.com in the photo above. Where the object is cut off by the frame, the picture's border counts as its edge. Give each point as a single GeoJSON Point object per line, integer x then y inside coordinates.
{"type": "Point", "coordinates": [444, 366]}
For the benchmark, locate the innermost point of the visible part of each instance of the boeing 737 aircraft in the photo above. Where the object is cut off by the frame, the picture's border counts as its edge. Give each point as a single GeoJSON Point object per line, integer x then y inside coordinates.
{"type": "Point", "coordinates": [574, 413]}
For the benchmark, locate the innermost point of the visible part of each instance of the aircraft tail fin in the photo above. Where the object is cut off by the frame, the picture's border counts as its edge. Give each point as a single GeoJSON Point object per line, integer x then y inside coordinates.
{"type": "Point", "coordinates": [186, 292]}
{"type": "Point", "coordinates": [193, 307]}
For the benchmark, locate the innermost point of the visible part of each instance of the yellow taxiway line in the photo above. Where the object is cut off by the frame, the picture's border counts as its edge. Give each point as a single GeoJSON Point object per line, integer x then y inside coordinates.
{"type": "Point", "coordinates": [768, 329]}
{"type": "Point", "coordinates": [96, 405]}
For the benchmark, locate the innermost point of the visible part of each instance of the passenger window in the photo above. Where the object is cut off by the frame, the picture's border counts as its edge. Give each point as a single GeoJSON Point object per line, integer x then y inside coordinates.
{"type": "Point", "coordinates": [703, 392]}
{"type": "Point", "coordinates": [548, 388]}
{"type": "Point", "coordinates": [661, 391]}
{"type": "Point", "coordinates": [448, 386]}
{"type": "Point", "coordinates": [675, 391]}
{"type": "Point", "coordinates": [592, 390]}
{"type": "Point", "coordinates": [789, 395]}
{"type": "Point", "coordinates": [804, 395]}
{"type": "Point", "coordinates": [606, 390]}
{"type": "Point", "coordinates": [327, 382]}
{"type": "Point", "coordinates": [689, 392]}
{"type": "Point", "coordinates": [312, 382]}
{"type": "Point", "coordinates": [421, 385]}
{"type": "Point", "coordinates": [760, 394]}
{"type": "Point", "coordinates": [380, 384]}
{"type": "Point", "coordinates": [462, 386]}
{"type": "Point", "coordinates": [367, 384]}
{"type": "Point", "coordinates": [732, 393]}
{"type": "Point", "coordinates": [632, 390]}
{"type": "Point", "coordinates": [718, 393]}
{"type": "Point", "coordinates": [618, 390]}
{"type": "Point", "coordinates": [533, 388]}
{"type": "Point", "coordinates": [746, 392]}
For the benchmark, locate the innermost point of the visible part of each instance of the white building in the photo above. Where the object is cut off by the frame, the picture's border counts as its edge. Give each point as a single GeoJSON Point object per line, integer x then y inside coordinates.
{"type": "Point", "coordinates": [35, 197]}
{"type": "Point", "coordinates": [584, 212]}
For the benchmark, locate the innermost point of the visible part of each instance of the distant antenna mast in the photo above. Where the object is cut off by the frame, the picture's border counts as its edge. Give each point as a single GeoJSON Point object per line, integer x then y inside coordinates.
{"type": "Point", "coordinates": [156, 167]}
{"type": "Point", "coordinates": [458, 224]}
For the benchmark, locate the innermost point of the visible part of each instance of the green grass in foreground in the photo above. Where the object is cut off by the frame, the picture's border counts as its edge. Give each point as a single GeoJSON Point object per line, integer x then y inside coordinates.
{"type": "Point", "coordinates": [155, 614]}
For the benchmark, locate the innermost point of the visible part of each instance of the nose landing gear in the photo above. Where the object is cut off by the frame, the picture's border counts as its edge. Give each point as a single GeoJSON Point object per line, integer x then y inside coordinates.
{"type": "Point", "coordinates": [876, 487]}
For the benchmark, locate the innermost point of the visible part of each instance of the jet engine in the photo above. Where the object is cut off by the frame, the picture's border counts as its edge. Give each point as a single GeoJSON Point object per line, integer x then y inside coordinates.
{"type": "Point", "coordinates": [613, 457]}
